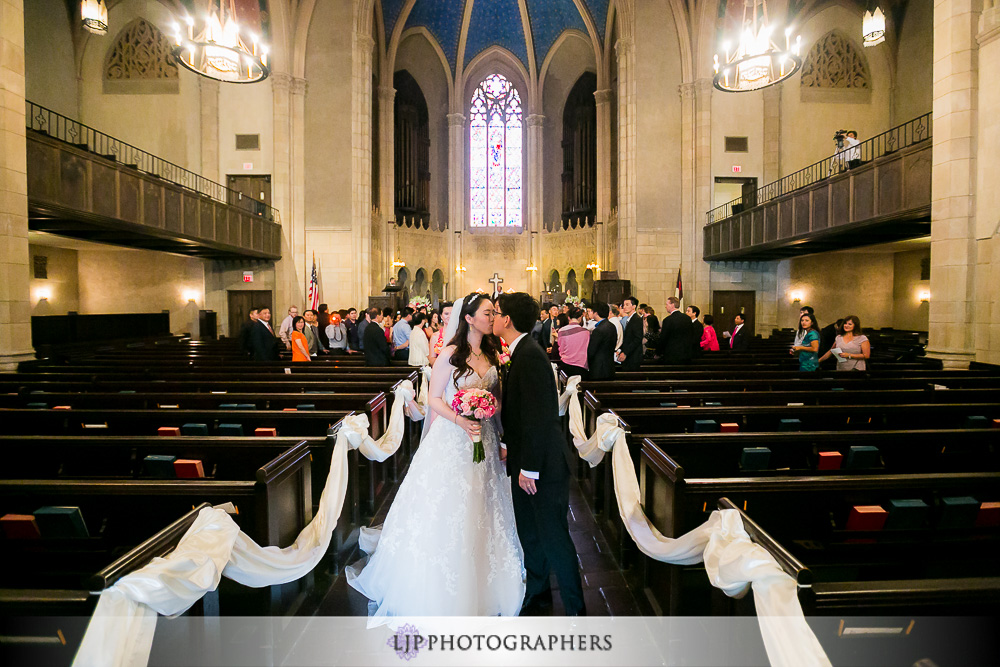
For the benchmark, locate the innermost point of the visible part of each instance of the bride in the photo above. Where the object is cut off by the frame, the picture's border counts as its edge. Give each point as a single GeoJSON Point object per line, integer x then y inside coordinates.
{"type": "Point", "coordinates": [449, 544]}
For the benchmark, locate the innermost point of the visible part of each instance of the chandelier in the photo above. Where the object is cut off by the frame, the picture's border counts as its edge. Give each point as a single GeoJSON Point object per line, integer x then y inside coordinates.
{"type": "Point", "coordinates": [220, 51]}
{"type": "Point", "coordinates": [94, 16]}
{"type": "Point", "coordinates": [873, 28]}
{"type": "Point", "coordinates": [758, 62]}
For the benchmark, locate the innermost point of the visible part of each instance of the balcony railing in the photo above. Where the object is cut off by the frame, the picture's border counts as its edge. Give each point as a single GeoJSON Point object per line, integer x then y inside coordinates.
{"type": "Point", "coordinates": [907, 134]}
{"type": "Point", "coordinates": [57, 126]}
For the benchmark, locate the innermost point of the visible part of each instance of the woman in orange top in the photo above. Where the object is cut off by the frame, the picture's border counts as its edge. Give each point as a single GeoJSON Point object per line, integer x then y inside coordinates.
{"type": "Point", "coordinates": [300, 346]}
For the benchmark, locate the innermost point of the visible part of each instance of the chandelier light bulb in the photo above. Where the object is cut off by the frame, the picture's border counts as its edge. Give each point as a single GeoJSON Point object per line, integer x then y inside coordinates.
{"type": "Point", "coordinates": [757, 62]}
{"type": "Point", "coordinates": [219, 51]}
{"type": "Point", "coordinates": [873, 27]}
{"type": "Point", "coordinates": [94, 16]}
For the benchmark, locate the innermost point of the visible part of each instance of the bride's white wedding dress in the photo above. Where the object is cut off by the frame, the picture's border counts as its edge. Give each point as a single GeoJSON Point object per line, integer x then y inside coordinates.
{"type": "Point", "coordinates": [449, 544]}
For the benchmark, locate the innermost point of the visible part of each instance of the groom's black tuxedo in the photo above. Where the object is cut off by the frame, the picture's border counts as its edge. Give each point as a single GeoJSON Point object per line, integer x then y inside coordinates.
{"type": "Point", "coordinates": [530, 415]}
{"type": "Point", "coordinates": [536, 444]}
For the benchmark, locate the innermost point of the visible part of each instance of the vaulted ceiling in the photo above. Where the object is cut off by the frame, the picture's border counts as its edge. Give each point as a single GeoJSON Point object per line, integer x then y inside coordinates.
{"type": "Point", "coordinates": [497, 23]}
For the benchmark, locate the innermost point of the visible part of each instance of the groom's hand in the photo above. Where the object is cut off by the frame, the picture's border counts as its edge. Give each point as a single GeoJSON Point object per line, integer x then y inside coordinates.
{"type": "Point", "coordinates": [503, 453]}
{"type": "Point", "coordinates": [527, 484]}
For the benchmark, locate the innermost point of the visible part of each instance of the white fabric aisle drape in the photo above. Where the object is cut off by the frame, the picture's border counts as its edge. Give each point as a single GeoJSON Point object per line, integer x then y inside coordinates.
{"type": "Point", "coordinates": [732, 560]}
{"type": "Point", "coordinates": [120, 633]}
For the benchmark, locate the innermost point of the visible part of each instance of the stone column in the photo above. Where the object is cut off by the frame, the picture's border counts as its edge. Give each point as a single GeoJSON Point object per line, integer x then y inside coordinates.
{"type": "Point", "coordinates": [456, 195]}
{"type": "Point", "coordinates": [361, 163]}
{"type": "Point", "coordinates": [15, 309]}
{"type": "Point", "coordinates": [772, 134]}
{"type": "Point", "coordinates": [953, 245]}
{"type": "Point", "coordinates": [693, 247]}
{"type": "Point", "coordinates": [297, 169]}
{"type": "Point", "coordinates": [209, 89]}
{"type": "Point", "coordinates": [290, 270]}
{"type": "Point", "coordinates": [536, 210]}
{"type": "Point", "coordinates": [604, 129]}
{"type": "Point", "coordinates": [627, 237]}
{"type": "Point", "coordinates": [987, 194]}
{"type": "Point", "coordinates": [387, 190]}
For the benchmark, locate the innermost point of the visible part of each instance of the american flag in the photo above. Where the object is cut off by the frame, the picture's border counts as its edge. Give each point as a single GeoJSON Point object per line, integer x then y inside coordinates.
{"type": "Point", "coordinates": [314, 287]}
{"type": "Point", "coordinates": [679, 291]}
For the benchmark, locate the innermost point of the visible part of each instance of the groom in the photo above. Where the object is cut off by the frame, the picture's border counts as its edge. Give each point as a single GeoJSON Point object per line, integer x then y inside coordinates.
{"type": "Point", "coordinates": [536, 456]}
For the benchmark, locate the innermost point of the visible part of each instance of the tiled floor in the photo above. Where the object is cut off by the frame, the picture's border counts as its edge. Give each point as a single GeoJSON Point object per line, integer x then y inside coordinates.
{"type": "Point", "coordinates": [605, 590]}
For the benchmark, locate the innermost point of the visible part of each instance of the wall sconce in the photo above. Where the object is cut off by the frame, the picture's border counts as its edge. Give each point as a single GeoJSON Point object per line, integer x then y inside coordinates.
{"type": "Point", "coordinates": [925, 295]}
{"type": "Point", "coordinates": [397, 264]}
{"type": "Point", "coordinates": [43, 294]}
{"type": "Point", "coordinates": [190, 295]}
{"type": "Point", "coordinates": [460, 269]}
{"type": "Point", "coordinates": [796, 296]}
{"type": "Point", "coordinates": [531, 267]}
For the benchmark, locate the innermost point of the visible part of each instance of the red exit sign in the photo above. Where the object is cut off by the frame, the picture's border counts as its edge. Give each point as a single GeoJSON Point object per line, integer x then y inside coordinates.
{"type": "Point", "coordinates": [248, 276]}
{"type": "Point", "coordinates": [737, 168]}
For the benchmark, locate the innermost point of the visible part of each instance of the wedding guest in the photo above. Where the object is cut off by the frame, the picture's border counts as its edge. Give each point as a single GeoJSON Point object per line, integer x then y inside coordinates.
{"type": "Point", "coordinates": [808, 351]}
{"type": "Point", "coordinates": [548, 327]}
{"type": "Point", "coordinates": [650, 329]}
{"type": "Point", "coordinates": [438, 341]}
{"type": "Point", "coordinates": [419, 347]}
{"type": "Point", "coordinates": [297, 339]}
{"type": "Point", "coordinates": [572, 343]}
{"type": "Point", "coordinates": [263, 342]}
{"type": "Point", "coordinates": [828, 335]}
{"type": "Point", "coordinates": [336, 334]}
{"type": "Point", "coordinates": [709, 341]}
{"type": "Point", "coordinates": [246, 329]}
{"type": "Point", "coordinates": [312, 334]}
{"type": "Point", "coordinates": [387, 324]}
{"type": "Point", "coordinates": [800, 334]}
{"type": "Point", "coordinates": [285, 330]}
{"type": "Point", "coordinates": [401, 336]}
{"type": "Point", "coordinates": [601, 347]}
{"type": "Point", "coordinates": [353, 335]}
{"type": "Point", "coordinates": [631, 347]}
{"type": "Point", "coordinates": [322, 322]}
{"type": "Point", "coordinates": [536, 331]}
{"type": "Point", "coordinates": [434, 325]}
{"type": "Point", "coordinates": [697, 329]}
{"type": "Point", "coordinates": [367, 318]}
{"type": "Point", "coordinates": [852, 347]}
{"type": "Point", "coordinates": [739, 339]}
{"type": "Point", "coordinates": [674, 344]}
{"type": "Point", "coordinates": [615, 317]}
{"type": "Point", "coordinates": [375, 342]}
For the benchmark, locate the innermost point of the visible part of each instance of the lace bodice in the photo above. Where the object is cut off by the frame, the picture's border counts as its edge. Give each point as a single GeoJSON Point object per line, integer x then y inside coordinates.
{"type": "Point", "coordinates": [490, 382]}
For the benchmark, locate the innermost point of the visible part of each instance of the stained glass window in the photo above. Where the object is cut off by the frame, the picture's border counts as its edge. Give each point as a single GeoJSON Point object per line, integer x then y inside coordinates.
{"type": "Point", "coordinates": [495, 154]}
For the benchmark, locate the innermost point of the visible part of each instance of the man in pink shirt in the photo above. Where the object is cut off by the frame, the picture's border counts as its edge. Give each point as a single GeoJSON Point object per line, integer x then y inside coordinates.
{"type": "Point", "coordinates": [573, 341]}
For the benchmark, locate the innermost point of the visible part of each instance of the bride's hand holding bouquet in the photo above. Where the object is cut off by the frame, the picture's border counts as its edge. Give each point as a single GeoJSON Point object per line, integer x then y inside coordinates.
{"type": "Point", "coordinates": [475, 405]}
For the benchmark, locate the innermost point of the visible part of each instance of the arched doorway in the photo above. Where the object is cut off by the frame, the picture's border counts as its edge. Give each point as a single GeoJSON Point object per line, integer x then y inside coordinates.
{"type": "Point", "coordinates": [572, 287]}
{"type": "Point", "coordinates": [420, 287]}
{"type": "Point", "coordinates": [437, 287]}
{"type": "Point", "coordinates": [588, 285]}
{"type": "Point", "coordinates": [554, 284]}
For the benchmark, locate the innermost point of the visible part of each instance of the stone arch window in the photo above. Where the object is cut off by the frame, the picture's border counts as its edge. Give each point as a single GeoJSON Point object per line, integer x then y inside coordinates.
{"type": "Point", "coordinates": [437, 287]}
{"type": "Point", "coordinates": [835, 69]}
{"type": "Point", "coordinates": [554, 283]}
{"type": "Point", "coordinates": [140, 61]}
{"type": "Point", "coordinates": [572, 287]}
{"type": "Point", "coordinates": [495, 140]}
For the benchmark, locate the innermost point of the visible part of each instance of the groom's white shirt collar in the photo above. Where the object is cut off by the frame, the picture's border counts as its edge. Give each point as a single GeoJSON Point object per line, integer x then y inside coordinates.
{"type": "Point", "coordinates": [514, 344]}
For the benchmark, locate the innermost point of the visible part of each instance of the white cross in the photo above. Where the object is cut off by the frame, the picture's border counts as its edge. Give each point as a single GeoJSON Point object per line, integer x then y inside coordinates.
{"type": "Point", "coordinates": [497, 281]}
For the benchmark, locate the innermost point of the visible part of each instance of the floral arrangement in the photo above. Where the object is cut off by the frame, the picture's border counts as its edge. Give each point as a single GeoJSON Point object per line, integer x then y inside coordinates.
{"type": "Point", "coordinates": [574, 301]}
{"type": "Point", "coordinates": [419, 302]}
{"type": "Point", "coordinates": [477, 404]}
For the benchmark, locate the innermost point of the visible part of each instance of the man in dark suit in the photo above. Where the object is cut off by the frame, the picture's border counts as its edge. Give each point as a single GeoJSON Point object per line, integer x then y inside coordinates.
{"type": "Point", "coordinates": [374, 342]}
{"type": "Point", "coordinates": [545, 337]}
{"type": "Point", "coordinates": [739, 339]}
{"type": "Point", "coordinates": [697, 329]}
{"type": "Point", "coordinates": [631, 353]}
{"type": "Point", "coordinates": [535, 454]}
{"type": "Point", "coordinates": [601, 349]}
{"type": "Point", "coordinates": [245, 330]}
{"type": "Point", "coordinates": [263, 342]}
{"type": "Point", "coordinates": [676, 332]}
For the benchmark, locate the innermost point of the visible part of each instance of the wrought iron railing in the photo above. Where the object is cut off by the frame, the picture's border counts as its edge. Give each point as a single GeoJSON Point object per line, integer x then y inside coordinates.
{"type": "Point", "coordinates": [57, 126]}
{"type": "Point", "coordinates": [907, 134]}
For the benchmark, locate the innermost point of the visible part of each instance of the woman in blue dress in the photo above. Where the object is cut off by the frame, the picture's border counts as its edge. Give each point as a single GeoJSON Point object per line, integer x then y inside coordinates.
{"type": "Point", "coordinates": [808, 351]}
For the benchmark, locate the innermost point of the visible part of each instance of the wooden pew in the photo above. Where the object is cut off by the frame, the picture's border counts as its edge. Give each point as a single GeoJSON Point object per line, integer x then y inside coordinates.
{"type": "Point", "coordinates": [44, 609]}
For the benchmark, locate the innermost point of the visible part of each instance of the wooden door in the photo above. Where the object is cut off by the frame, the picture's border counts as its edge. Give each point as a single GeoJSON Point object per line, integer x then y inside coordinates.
{"type": "Point", "coordinates": [240, 303]}
{"type": "Point", "coordinates": [727, 303]}
{"type": "Point", "coordinates": [256, 187]}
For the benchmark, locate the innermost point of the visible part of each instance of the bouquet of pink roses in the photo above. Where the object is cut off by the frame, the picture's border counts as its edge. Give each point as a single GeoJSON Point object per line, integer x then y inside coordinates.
{"type": "Point", "coordinates": [477, 404]}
